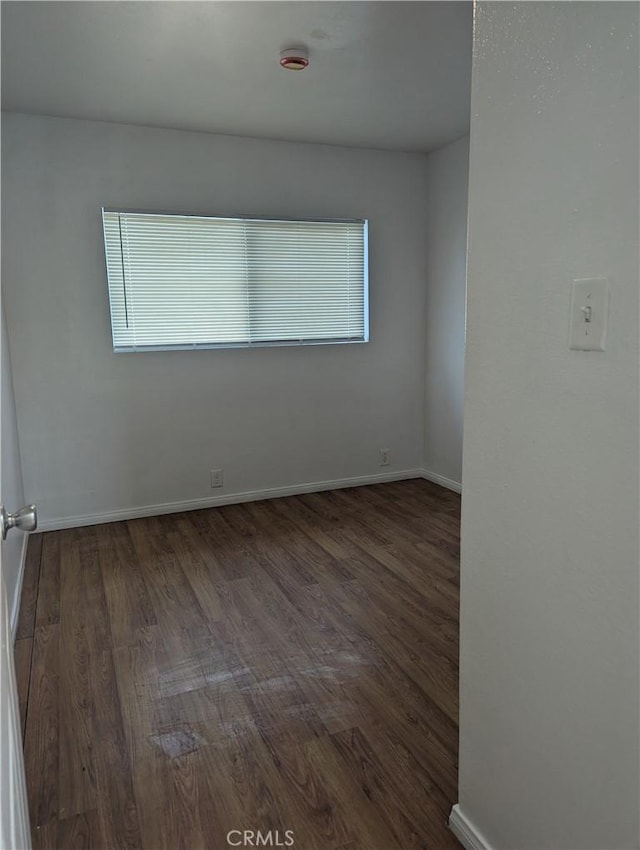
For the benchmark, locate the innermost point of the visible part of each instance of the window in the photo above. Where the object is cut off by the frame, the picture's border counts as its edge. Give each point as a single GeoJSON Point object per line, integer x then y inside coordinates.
{"type": "Point", "coordinates": [186, 281]}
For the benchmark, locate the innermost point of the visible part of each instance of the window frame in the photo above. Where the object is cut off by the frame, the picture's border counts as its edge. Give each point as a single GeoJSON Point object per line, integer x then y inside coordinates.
{"type": "Point", "coordinates": [247, 345]}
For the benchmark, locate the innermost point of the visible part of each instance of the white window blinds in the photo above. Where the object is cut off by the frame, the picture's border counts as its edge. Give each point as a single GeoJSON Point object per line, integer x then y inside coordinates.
{"type": "Point", "coordinates": [182, 281]}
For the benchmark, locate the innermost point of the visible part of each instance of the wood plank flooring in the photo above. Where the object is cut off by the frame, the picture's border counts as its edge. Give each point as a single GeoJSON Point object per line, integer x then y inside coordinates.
{"type": "Point", "coordinates": [270, 666]}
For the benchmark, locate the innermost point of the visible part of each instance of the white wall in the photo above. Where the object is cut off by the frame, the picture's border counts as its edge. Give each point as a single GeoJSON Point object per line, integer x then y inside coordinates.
{"type": "Point", "coordinates": [447, 176]}
{"type": "Point", "coordinates": [550, 644]}
{"type": "Point", "coordinates": [103, 432]}
{"type": "Point", "coordinates": [12, 487]}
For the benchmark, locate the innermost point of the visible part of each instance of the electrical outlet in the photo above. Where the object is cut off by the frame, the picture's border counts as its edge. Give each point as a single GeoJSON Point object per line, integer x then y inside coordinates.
{"type": "Point", "coordinates": [217, 477]}
{"type": "Point", "coordinates": [385, 457]}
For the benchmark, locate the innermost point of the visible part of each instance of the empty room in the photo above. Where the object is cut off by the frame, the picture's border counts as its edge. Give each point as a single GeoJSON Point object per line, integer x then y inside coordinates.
{"type": "Point", "coordinates": [320, 425]}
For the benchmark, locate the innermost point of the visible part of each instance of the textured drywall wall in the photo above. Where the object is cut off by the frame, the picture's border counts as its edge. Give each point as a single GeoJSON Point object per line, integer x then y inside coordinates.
{"type": "Point", "coordinates": [102, 432]}
{"type": "Point", "coordinates": [447, 176]}
{"type": "Point", "coordinates": [549, 635]}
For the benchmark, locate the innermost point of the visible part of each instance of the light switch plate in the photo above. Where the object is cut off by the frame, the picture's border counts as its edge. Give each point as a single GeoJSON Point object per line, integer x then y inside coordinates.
{"type": "Point", "coordinates": [589, 314]}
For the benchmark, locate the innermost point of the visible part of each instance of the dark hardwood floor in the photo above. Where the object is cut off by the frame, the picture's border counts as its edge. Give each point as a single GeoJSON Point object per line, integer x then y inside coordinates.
{"type": "Point", "coordinates": [270, 666]}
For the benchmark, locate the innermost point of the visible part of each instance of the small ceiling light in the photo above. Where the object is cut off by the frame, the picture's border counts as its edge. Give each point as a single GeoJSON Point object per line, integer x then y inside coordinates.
{"type": "Point", "coordinates": [294, 59]}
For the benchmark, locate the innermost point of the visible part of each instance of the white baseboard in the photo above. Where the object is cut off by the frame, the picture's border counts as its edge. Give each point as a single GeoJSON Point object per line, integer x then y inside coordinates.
{"type": "Point", "coordinates": [466, 832]}
{"type": "Point", "coordinates": [15, 603]}
{"type": "Point", "coordinates": [449, 483]}
{"type": "Point", "coordinates": [227, 499]}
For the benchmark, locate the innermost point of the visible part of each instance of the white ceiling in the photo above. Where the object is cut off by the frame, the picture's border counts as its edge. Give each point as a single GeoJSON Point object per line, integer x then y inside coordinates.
{"type": "Point", "coordinates": [392, 75]}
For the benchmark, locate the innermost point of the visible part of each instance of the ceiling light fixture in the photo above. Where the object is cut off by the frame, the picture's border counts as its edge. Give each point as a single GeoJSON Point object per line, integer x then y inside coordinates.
{"type": "Point", "coordinates": [294, 59]}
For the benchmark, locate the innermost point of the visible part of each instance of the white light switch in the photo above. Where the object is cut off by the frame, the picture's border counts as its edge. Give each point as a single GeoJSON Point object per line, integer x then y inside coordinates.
{"type": "Point", "coordinates": [589, 314]}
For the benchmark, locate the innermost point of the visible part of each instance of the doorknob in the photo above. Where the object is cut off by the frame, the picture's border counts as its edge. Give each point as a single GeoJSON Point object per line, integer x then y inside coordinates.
{"type": "Point", "coordinates": [26, 519]}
